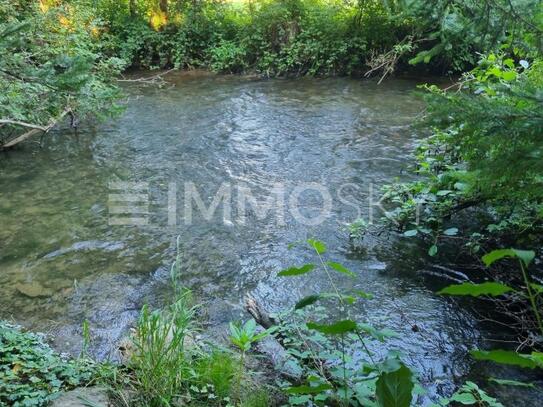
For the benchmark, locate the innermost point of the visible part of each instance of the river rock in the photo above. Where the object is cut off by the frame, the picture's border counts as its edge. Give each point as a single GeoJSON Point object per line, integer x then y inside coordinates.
{"type": "Point", "coordinates": [33, 289]}
{"type": "Point", "coordinates": [82, 397]}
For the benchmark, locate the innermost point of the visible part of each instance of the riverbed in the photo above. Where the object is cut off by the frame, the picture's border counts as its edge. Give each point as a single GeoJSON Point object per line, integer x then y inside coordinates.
{"type": "Point", "coordinates": [89, 221]}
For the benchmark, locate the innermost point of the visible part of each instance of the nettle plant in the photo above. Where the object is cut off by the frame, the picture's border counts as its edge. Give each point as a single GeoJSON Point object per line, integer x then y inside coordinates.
{"type": "Point", "coordinates": [528, 291]}
{"type": "Point", "coordinates": [322, 350]}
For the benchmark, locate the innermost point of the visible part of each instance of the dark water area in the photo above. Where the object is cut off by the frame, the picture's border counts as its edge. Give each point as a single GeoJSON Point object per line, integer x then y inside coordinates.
{"type": "Point", "coordinates": [88, 223]}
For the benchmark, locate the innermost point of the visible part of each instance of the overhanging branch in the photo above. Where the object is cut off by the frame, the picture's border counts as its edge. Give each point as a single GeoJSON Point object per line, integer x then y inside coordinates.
{"type": "Point", "coordinates": [34, 128]}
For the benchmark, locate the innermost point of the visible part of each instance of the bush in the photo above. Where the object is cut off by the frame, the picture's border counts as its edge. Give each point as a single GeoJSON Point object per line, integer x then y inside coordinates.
{"type": "Point", "coordinates": [484, 160]}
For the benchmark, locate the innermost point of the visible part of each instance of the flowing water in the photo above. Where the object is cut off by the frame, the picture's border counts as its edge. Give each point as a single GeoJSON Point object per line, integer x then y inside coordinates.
{"type": "Point", "coordinates": [301, 144]}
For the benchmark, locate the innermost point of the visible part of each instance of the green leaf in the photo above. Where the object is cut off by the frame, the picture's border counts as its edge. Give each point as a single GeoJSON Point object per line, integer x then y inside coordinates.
{"type": "Point", "coordinates": [410, 233]}
{"type": "Point", "coordinates": [509, 75]}
{"type": "Point", "coordinates": [309, 389]}
{"type": "Point", "coordinates": [432, 251]}
{"type": "Point", "coordinates": [451, 231]}
{"type": "Point", "coordinates": [363, 294]}
{"type": "Point", "coordinates": [304, 302]}
{"type": "Point", "coordinates": [507, 382]}
{"type": "Point", "coordinates": [443, 192]}
{"type": "Point", "coordinates": [379, 334]}
{"type": "Point", "coordinates": [464, 398]}
{"type": "Point", "coordinates": [296, 271]}
{"type": "Point", "coordinates": [336, 328]}
{"type": "Point", "coordinates": [505, 357]}
{"type": "Point", "coordinates": [340, 268]}
{"type": "Point", "coordinates": [525, 255]}
{"type": "Point", "coordinates": [394, 389]}
{"type": "Point", "coordinates": [470, 394]}
{"type": "Point", "coordinates": [342, 297]}
{"type": "Point", "coordinates": [475, 290]}
{"type": "Point", "coordinates": [319, 246]}
{"type": "Point", "coordinates": [537, 357]}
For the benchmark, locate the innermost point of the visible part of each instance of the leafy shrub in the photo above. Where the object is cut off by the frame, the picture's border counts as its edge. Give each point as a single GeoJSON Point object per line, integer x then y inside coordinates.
{"type": "Point", "coordinates": [228, 57]}
{"type": "Point", "coordinates": [320, 348]}
{"type": "Point", "coordinates": [484, 157]}
{"type": "Point", "coordinates": [52, 64]}
{"type": "Point", "coordinates": [31, 373]}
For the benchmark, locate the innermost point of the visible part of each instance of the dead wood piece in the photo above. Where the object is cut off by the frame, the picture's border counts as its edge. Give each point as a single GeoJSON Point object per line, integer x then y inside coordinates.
{"type": "Point", "coordinates": [263, 318]}
{"type": "Point", "coordinates": [35, 129]}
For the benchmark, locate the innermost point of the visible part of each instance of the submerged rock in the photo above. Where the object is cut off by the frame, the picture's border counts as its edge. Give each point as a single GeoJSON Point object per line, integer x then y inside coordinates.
{"type": "Point", "coordinates": [86, 246]}
{"type": "Point", "coordinates": [82, 397]}
{"type": "Point", "coordinates": [33, 289]}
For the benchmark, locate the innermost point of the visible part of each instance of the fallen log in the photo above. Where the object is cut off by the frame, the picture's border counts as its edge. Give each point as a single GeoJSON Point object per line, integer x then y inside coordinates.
{"type": "Point", "coordinates": [35, 128]}
{"type": "Point", "coordinates": [266, 321]}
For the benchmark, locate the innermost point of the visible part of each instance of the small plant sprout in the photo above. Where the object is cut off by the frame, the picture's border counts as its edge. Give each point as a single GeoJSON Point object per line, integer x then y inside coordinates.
{"type": "Point", "coordinates": [244, 336]}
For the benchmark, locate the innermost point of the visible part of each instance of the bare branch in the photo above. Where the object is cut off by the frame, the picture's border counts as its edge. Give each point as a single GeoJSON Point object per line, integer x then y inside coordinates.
{"type": "Point", "coordinates": [35, 129]}
{"type": "Point", "coordinates": [23, 124]}
{"type": "Point", "coordinates": [149, 79]}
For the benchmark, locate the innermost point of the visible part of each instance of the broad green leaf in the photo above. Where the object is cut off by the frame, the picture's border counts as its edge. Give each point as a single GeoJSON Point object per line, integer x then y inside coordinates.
{"type": "Point", "coordinates": [304, 302]}
{"type": "Point", "coordinates": [319, 246]}
{"type": "Point", "coordinates": [464, 398]}
{"type": "Point", "coordinates": [509, 75]}
{"type": "Point", "coordinates": [336, 328]}
{"type": "Point", "coordinates": [296, 271]}
{"type": "Point", "coordinates": [505, 357]}
{"type": "Point", "coordinates": [525, 255]}
{"type": "Point", "coordinates": [410, 233]}
{"type": "Point", "coordinates": [394, 389]}
{"type": "Point", "coordinates": [432, 251]}
{"type": "Point", "coordinates": [340, 268]}
{"type": "Point", "coordinates": [470, 394]}
{"type": "Point", "coordinates": [475, 290]}
{"type": "Point", "coordinates": [537, 357]}
{"type": "Point", "coordinates": [363, 294]}
{"type": "Point", "coordinates": [309, 389]}
{"type": "Point", "coordinates": [451, 231]}
{"type": "Point", "coordinates": [507, 382]}
{"type": "Point", "coordinates": [443, 192]}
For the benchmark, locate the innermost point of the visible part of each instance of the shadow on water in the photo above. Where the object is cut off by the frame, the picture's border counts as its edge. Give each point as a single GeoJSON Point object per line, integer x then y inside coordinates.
{"type": "Point", "coordinates": [63, 261]}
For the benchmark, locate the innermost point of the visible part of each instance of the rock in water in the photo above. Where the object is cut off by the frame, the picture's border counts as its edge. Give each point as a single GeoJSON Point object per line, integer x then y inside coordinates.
{"type": "Point", "coordinates": [33, 289]}
{"type": "Point", "coordinates": [83, 397]}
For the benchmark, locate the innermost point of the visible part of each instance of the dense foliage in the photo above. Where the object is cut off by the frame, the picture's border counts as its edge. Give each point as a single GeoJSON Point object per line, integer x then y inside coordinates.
{"type": "Point", "coordinates": [51, 65]}
{"type": "Point", "coordinates": [277, 37]}
{"type": "Point", "coordinates": [482, 162]}
{"type": "Point", "coordinates": [61, 57]}
{"type": "Point", "coordinates": [31, 373]}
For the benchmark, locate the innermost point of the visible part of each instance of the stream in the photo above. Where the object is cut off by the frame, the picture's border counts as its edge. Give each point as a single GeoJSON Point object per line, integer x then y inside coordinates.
{"type": "Point", "coordinates": [88, 221]}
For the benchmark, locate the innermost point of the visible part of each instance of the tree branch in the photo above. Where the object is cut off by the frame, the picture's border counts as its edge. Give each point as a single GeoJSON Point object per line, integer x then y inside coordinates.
{"type": "Point", "coordinates": [23, 124]}
{"type": "Point", "coordinates": [35, 128]}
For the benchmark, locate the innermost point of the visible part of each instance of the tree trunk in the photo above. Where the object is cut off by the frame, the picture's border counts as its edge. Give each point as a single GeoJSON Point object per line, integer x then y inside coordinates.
{"type": "Point", "coordinates": [163, 5]}
{"type": "Point", "coordinates": [132, 8]}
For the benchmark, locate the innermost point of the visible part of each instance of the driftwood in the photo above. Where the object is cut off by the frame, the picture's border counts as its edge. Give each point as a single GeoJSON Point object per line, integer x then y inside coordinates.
{"type": "Point", "coordinates": [34, 128]}
{"type": "Point", "coordinates": [263, 318]}
{"type": "Point", "coordinates": [148, 79]}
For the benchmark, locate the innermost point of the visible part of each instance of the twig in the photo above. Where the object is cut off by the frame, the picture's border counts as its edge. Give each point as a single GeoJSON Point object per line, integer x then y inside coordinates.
{"type": "Point", "coordinates": [149, 79]}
